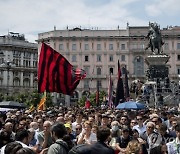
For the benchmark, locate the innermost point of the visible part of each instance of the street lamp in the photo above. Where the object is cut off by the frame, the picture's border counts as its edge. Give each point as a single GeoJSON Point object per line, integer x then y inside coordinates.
{"type": "Point", "coordinates": [7, 65]}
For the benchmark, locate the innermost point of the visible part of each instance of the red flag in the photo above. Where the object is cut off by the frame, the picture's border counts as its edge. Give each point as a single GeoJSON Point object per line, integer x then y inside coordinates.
{"type": "Point", "coordinates": [120, 87]}
{"type": "Point", "coordinates": [87, 104]}
{"type": "Point", "coordinates": [55, 73]}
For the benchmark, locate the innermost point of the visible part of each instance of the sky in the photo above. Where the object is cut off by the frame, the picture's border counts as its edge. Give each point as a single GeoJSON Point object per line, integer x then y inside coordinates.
{"type": "Point", "coordinates": [30, 17]}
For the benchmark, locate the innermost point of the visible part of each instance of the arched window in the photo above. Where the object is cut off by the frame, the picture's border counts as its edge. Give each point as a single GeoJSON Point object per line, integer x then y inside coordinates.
{"type": "Point", "coordinates": [138, 66]}
{"type": "Point", "coordinates": [98, 71]}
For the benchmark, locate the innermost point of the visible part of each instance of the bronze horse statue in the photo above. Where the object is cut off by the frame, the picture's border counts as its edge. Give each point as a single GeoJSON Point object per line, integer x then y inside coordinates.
{"type": "Point", "coordinates": [155, 39]}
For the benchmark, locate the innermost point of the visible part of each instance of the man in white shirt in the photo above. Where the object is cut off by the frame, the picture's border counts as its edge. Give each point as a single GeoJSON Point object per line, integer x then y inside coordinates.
{"type": "Point", "coordinates": [174, 146]}
{"type": "Point", "coordinates": [79, 116]}
{"type": "Point", "coordinates": [140, 127]}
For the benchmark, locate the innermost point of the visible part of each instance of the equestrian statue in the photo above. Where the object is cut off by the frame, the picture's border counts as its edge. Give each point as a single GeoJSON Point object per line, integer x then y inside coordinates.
{"type": "Point", "coordinates": [155, 39]}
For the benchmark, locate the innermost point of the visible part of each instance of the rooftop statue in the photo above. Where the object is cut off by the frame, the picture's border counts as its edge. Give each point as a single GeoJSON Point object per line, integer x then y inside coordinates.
{"type": "Point", "coordinates": [155, 39]}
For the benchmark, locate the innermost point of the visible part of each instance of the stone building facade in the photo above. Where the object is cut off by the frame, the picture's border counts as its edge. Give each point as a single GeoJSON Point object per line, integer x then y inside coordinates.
{"type": "Point", "coordinates": [18, 64]}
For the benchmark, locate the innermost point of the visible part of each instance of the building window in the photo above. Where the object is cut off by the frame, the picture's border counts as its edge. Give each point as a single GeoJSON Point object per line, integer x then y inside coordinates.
{"type": "Point", "coordinates": [86, 46]}
{"type": "Point", "coordinates": [110, 46]}
{"type": "Point", "coordinates": [98, 58]}
{"type": "Point", "coordinates": [73, 46]}
{"type": "Point", "coordinates": [86, 84]}
{"type": "Point", "coordinates": [61, 47]}
{"type": "Point", "coordinates": [98, 46]}
{"type": "Point", "coordinates": [16, 82]}
{"type": "Point", "coordinates": [73, 58]}
{"type": "Point", "coordinates": [98, 71]}
{"type": "Point", "coordinates": [123, 58]}
{"type": "Point", "coordinates": [122, 46]}
{"type": "Point", "coordinates": [35, 63]}
{"type": "Point", "coordinates": [111, 70]}
{"type": "Point", "coordinates": [26, 83]}
{"type": "Point", "coordinates": [138, 66]}
{"type": "Point", "coordinates": [166, 46]}
{"type": "Point", "coordinates": [86, 58]}
{"type": "Point", "coordinates": [178, 71]}
{"type": "Point", "coordinates": [99, 84]}
{"type": "Point", "coordinates": [86, 69]}
{"type": "Point", "coordinates": [178, 45]}
{"type": "Point", "coordinates": [178, 57]}
{"type": "Point", "coordinates": [111, 58]}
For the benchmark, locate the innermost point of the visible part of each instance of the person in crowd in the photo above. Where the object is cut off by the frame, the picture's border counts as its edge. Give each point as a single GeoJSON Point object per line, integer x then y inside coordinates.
{"type": "Point", "coordinates": [8, 127]}
{"type": "Point", "coordinates": [174, 146]}
{"type": "Point", "coordinates": [140, 127]}
{"type": "Point", "coordinates": [44, 137]}
{"type": "Point", "coordinates": [94, 128]}
{"type": "Point", "coordinates": [87, 136]}
{"type": "Point", "coordinates": [91, 119]}
{"type": "Point", "coordinates": [166, 136]}
{"type": "Point", "coordinates": [103, 133]}
{"type": "Point", "coordinates": [161, 149]}
{"type": "Point", "coordinates": [171, 130]}
{"type": "Point", "coordinates": [60, 119]}
{"type": "Point", "coordinates": [158, 122]}
{"type": "Point", "coordinates": [105, 121]}
{"type": "Point", "coordinates": [79, 116]}
{"type": "Point", "coordinates": [124, 121]}
{"type": "Point", "coordinates": [123, 140]}
{"type": "Point", "coordinates": [32, 137]}
{"type": "Point", "coordinates": [115, 133]}
{"type": "Point", "coordinates": [134, 147]}
{"type": "Point", "coordinates": [40, 124]}
{"type": "Point", "coordinates": [170, 114]}
{"type": "Point", "coordinates": [12, 148]}
{"type": "Point", "coordinates": [69, 131]}
{"type": "Point", "coordinates": [22, 124]}
{"type": "Point", "coordinates": [151, 137]}
{"type": "Point", "coordinates": [98, 117]}
{"type": "Point", "coordinates": [5, 138]}
{"type": "Point", "coordinates": [133, 123]}
{"type": "Point", "coordinates": [33, 125]}
{"type": "Point", "coordinates": [58, 132]}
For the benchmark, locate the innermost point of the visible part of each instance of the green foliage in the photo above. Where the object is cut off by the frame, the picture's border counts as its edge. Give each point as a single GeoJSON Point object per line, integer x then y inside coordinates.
{"type": "Point", "coordinates": [9, 98]}
{"type": "Point", "coordinates": [49, 102]}
{"type": "Point", "coordinates": [1, 97]}
{"type": "Point", "coordinates": [32, 98]}
{"type": "Point", "coordinates": [21, 98]}
{"type": "Point", "coordinates": [92, 99]}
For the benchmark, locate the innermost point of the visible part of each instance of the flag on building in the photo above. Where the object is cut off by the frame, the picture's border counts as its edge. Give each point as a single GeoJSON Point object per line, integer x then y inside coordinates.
{"type": "Point", "coordinates": [42, 105]}
{"type": "Point", "coordinates": [120, 87]}
{"type": "Point", "coordinates": [110, 103]}
{"type": "Point", "coordinates": [56, 74]}
{"type": "Point", "coordinates": [126, 86]}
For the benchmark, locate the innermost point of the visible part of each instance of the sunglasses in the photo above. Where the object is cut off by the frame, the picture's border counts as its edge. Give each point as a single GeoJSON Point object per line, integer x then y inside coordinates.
{"type": "Point", "coordinates": [78, 128]}
{"type": "Point", "coordinates": [139, 119]}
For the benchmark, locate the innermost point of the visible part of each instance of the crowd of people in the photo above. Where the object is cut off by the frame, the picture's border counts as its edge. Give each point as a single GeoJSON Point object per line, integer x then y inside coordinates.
{"type": "Point", "coordinates": [73, 130]}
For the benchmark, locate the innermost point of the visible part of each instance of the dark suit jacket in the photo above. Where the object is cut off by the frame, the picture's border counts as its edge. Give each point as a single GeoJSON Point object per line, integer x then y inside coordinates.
{"type": "Point", "coordinates": [101, 148]}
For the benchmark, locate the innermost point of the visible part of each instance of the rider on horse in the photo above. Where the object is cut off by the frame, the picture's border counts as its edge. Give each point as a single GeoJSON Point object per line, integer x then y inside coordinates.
{"type": "Point", "coordinates": [155, 39]}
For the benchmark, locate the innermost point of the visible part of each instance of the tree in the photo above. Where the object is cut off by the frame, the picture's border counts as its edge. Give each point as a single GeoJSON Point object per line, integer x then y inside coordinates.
{"type": "Point", "coordinates": [92, 98]}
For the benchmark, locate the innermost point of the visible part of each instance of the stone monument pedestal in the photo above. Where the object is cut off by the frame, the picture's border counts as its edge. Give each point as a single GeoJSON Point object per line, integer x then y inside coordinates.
{"type": "Point", "coordinates": [157, 66]}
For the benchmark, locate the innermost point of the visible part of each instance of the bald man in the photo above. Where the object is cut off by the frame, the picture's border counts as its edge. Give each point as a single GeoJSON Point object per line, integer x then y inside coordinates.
{"type": "Point", "coordinates": [44, 137]}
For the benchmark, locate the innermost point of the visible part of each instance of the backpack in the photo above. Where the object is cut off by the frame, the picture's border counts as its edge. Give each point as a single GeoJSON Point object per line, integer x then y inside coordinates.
{"type": "Point", "coordinates": [80, 149]}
